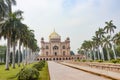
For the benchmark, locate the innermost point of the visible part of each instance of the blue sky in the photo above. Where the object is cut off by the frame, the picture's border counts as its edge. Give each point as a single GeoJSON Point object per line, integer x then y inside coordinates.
{"type": "Point", "coordinates": [77, 19]}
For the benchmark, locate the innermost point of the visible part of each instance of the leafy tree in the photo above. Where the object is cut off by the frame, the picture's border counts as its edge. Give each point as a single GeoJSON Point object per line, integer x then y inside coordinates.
{"type": "Point", "coordinates": [3, 10]}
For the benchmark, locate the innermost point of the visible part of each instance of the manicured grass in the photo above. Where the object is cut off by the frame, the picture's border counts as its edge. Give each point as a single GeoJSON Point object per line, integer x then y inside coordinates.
{"type": "Point", "coordinates": [10, 74]}
{"type": "Point", "coordinates": [44, 74]}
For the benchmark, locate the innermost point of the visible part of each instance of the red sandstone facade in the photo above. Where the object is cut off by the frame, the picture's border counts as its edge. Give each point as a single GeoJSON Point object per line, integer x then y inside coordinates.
{"type": "Point", "coordinates": [55, 49]}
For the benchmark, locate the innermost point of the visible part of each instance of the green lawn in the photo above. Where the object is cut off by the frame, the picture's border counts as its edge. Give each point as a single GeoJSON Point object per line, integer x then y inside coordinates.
{"type": "Point", "coordinates": [44, 74]}
{"type": "Point", "coordinates": [8, 75]}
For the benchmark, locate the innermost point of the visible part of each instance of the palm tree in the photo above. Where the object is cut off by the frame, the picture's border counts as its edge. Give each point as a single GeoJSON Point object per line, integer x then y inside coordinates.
{"type": "Point", "coordinates": [28, 38]}
{"type": "Point", "coordinates": [3, 10]}
{"type": "Point", "coordinates": [84, 47]}
{"type": "Point", "coordinates": [101, 33]}
{"type": "Point", "coordinates": [6, 30]}
{"type": "Point", "coordinates": [107, 45]}
{"type": "Point", "coordinates": [109, 29]}
{"type": "Point", "coordinates": [21, 36]}
{"type": "Point", "coordinates": [87, 46]}
{"type": "Point", "coordinates": [116, 41]}
{"type": "Point", "coordinates": [16, 22]}
{"type": "Point", "coordinates": [96, 39]}
{"type": "Point", "coordinates": [116, 38]}
{"type": "Point", "coordinates": [9, 32]}
{"type": "Point", "coordinates": [93, 43]}
{"type": "Point", "coordinates": [10, 3]}
{"type": "Point", "coordinates": [33, 47]}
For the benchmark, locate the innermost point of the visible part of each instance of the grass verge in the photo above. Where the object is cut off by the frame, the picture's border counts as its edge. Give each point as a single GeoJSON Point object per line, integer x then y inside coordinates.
{"type": "Point", "coordinates": [10, 74]}
{"type": "Point", "coordinates": [44, 74]}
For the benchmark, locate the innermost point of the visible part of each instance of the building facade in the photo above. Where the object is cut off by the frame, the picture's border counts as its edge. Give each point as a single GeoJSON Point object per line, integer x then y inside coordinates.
{"type": "Point", "coordinates": [55, 49]}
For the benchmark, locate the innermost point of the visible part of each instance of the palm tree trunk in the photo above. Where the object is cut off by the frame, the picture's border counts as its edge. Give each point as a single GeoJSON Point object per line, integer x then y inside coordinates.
{"type": "Point", "coordinates": [108, 54]}
{"type": "Point", "coordinates": [84, 54]}
{"type": "Point", "coordinates": [94, 54]}
{"type": "Point", "coordinates": [26, 56]}
{"type": "Point", "coordinates": [98, 53]}
{"type": "Point", "coordinates": [19, 54]}
{"type": "Point", "coordinates": [30, 55]}
{"type": "Point", "coordinates": [113, 49]}
{"type": "Point", "coordinates": [90, 54]}
{"type": "Point", "coordinates": [102, 54]}
{"type": "Point", "coordinates": [7, 54]}
{"type": "Point", "coordinates": [13, 56]}
{"type": "Point", "coordinates": [23, 55]}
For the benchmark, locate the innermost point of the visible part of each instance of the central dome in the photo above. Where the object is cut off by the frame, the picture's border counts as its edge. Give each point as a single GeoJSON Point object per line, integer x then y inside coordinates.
{"type": "Point", "coordinates": [54, 35]}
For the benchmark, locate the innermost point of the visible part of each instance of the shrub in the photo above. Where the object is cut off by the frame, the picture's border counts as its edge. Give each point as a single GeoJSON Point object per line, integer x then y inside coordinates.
{"type": "Point", "coordinates": [28, 74]}
{"type": "Point", "coordinates": [115, 61]}
{"type": "Point", "coordinates": [91, 60]}
{"type": "Point", "coordinates": [99, 61]}
{"type": "Point", "coordinates": [2, 63]}
{"type": "Point", "coordinates": [118, 60]}
{"type": "Point", "coordinates": [83, 60]}
{"type": "Point", "coordinates": [39, 65]}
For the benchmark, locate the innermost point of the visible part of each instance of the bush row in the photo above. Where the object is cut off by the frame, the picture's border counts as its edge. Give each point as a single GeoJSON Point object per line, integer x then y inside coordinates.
{"type": "Point", "coordinates": [112, 61]}
{"type": "Point", "coordinates": [31, 73]}
{"type": "Point", "coordinates": [28, 74]}
{"type": "Point", "coordinates": [39, 65]}
{"type": "Point", "coordinates": [2, 63]}
{"type": "Point", "coordinates": [115, 61]}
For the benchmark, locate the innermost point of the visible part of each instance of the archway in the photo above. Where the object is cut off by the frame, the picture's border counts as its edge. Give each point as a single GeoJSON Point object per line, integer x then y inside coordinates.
{"type": "Point", "coordinates": [59, 58]}
{"type": "Point", "coordinates": [43, 58]}
{"type": "Point", "coordinates": [53, 58]}
{"type": "Point", "coordinates": [50, 59]}
{"type": "Point", "coordinates": [56, 58]}
{"type": "Point", "coordinates": [55, 53]}
{"type": "Point", "coordinates": [66, 58]}
{"type": "Point", "coordinates": [37, 59]}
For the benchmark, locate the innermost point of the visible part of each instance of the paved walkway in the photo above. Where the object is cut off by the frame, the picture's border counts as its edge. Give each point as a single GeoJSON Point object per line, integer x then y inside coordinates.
{"type": "Point", "coordinates": [60, 72]}
{"type": "Point", "coordinates": [109, 74]}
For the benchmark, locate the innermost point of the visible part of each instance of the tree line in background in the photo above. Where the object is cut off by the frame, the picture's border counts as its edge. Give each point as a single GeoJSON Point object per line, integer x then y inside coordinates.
{"type": "Point", "coordinates": [3, 55]}
{"type": "Point", "coordinates": [104, 45]}
{"type": "Point", "coordinates": [16, 33]}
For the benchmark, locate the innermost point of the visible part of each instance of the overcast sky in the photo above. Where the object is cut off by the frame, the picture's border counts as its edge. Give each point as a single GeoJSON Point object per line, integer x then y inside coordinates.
{"type": "Point", "coordinates": [77, 19]}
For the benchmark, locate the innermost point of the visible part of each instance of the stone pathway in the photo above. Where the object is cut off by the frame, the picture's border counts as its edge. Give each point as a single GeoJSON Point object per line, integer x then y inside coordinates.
{"type": "Point", "coordinates": [60, 72]}
{"type": "Point", "coordinates": [105, 73]}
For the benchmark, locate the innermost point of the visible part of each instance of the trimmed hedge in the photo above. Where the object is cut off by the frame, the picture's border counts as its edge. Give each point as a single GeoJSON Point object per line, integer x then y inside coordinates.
{"type": "Point", "coordinates": [28, 74]}
{"type": "Point", "coordinates": [2, 63]}
{"type": "Point", "coordinates": [39, 65]}
{"type": "Point", "coordinates": [115, 61]}
{"type": "Point", "coordinates": [31, 73]}
{"type": "Point", "coordinates": [99, 61]}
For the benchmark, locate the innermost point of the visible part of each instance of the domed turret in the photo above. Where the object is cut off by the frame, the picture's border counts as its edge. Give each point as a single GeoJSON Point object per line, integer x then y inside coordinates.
{"type": "Point", "coordinates": [54, 35]}
{"type": "Point", "coordinates": [42, 39]}
{"type": "Point", "coordinates": [68, 38]}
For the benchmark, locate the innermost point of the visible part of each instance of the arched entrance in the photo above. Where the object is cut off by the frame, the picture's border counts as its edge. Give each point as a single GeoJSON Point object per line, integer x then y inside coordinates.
{"type": "Point", "coordinates": [53, 58]}
{"type": "Point", "coordinates": [55, 53]}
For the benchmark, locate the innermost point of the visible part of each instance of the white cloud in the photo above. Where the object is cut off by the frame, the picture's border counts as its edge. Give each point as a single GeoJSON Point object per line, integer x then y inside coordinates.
{"type": "Point", "coordinates": [78, 22]}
